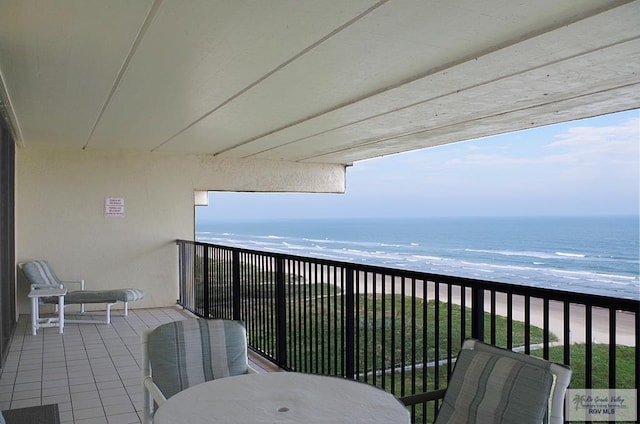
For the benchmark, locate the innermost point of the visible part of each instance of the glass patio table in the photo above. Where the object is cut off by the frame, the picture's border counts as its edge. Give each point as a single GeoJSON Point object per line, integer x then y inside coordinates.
{"type": "Point", "coordinates": [282, 397]}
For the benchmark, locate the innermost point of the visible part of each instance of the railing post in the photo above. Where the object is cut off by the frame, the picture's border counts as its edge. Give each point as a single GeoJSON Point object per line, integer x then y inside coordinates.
{"type": "Point", "coordinates": [281, 315]}
{"type": "Point", "coordinates": [477, 313]}
{"type": "Point", "coordinates": [205, 282]}
{"type": "Point", "coordinates": [235, 276]}
{"type": "Point", "coordinates": [181, 271]}
{"type": "Point", "coordinates": [350, 312]}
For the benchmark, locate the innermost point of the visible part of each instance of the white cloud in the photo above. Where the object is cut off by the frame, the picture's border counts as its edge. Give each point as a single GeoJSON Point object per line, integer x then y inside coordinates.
{"type": "Point", "coordinates": [492, 160]}
{"type": "Point", "coordinates": [591, 139]}
{"type": "Point", "coordinates": [579, 144]}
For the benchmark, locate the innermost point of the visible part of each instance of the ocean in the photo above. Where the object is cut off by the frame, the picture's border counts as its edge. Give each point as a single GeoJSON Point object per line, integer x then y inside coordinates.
{"type": "Point", "coordinates": [597, 255]}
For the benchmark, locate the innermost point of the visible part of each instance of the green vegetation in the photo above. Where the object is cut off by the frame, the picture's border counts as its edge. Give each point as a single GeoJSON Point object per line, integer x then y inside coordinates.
{"type": "Point", "coordinates": [381, 343]}
{"type": "Point", "coordinates": [422, 318]}
{"type": "Point", "coordinates": [625, 365]}
{"type": "Point", "coordinates": [255, 282]}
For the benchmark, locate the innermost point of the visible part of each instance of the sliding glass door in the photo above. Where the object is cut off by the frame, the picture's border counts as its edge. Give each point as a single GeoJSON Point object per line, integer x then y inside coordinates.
{"type": "Point", "coordinates": [7, 239]}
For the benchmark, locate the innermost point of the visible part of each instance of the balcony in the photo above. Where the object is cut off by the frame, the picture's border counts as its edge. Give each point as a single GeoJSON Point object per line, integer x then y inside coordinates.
{"type": "Point", "coordinates": [401, 330]}
{"type": "Point", "coordinates": [324, 317]}
{"type": "Point", "coordinates": [90, 111]}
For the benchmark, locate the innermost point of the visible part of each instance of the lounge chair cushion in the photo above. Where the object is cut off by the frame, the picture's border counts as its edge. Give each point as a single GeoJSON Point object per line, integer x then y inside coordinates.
{"type": "Point", "coordinates": [39, 272]}
{"type": "Point", "coordinates": [495, 389]}
{"type": "Point", "coordinates": [99, 296]}
{"type": "Point", "coordinates": [184, 353]}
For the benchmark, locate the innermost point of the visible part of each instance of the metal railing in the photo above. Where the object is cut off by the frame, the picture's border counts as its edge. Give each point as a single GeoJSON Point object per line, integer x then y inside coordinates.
{"type": "Point", "coordinates": [401, 330]}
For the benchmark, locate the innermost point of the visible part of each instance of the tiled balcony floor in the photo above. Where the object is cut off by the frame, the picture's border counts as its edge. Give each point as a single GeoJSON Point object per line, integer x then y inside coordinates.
{"type": "Point", "coordinates": [91, 371]}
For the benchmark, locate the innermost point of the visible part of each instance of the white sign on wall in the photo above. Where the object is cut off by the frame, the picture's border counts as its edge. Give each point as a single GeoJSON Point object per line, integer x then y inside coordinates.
{"type": "Point", "coordinates": [114, 207]}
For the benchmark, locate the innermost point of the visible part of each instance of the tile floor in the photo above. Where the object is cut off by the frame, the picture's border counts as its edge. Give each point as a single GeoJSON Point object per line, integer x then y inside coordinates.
{"type": "Point", "coordinates": [91, 371]}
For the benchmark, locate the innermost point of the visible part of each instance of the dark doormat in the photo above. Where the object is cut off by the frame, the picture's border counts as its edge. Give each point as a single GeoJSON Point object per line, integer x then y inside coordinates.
{"type": "Point", "coordinates": [45, 414]}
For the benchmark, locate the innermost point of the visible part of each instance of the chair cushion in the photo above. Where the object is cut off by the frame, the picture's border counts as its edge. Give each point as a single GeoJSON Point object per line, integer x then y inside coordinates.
{"type": "Point", "coordinates": [39, 272]}
{"type": "Point", "coordinates": [489, 388]}
{"type": "Point", "coordinates": [99, 296]}
{"type": "Point", "coordinates": [189, 352]}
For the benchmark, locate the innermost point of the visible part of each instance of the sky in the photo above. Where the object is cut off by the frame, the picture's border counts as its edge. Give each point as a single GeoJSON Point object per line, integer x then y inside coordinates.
{"type": "Point", "coordinates": [584, 167]}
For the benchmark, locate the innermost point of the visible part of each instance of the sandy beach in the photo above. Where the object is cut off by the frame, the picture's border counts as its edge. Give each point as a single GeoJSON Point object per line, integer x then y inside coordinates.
{"type": "Point", "coordinates": [625, 321]}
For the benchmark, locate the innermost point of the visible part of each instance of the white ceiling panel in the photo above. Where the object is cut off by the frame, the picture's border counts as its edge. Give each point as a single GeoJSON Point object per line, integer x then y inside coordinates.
{"type": "Point", "coordinates": [397, 42]}
{"type": "Point", "coordinates": [59, 60]}
{"type": "Point", "coordinates": [301, 80]}
{"type": "Point", "coordinates": [523, 76]}
{"type": "Point", "coordinates": [193, 60]}
{"type": "Point", "coordinates": [563, 111]}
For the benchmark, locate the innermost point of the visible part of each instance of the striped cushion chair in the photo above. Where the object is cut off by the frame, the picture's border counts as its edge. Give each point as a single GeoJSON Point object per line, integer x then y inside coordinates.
{"type": "Point", "coordinates": [494, 385]}
{"type": "Point", "coordinates": [181, 354]}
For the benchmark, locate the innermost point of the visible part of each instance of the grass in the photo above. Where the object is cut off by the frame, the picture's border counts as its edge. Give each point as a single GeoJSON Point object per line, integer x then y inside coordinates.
{"type": "Point", "coordinates": [625, 365]}
{"type": "Point", "coordinates": [391, 332]}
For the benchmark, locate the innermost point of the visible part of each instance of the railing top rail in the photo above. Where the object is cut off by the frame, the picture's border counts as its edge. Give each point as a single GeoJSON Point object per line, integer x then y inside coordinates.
{"type": "Point", "coordinates": [613, 303]}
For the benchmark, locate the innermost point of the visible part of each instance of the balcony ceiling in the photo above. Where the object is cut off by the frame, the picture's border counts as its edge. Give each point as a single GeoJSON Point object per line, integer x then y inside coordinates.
{"type": "Point", "coordinates": [329, 81]}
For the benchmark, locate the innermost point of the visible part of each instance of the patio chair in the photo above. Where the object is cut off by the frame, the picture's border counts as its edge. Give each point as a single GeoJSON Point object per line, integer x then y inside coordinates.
{"type": "Point", "coordinates": [494, 385]}
{"type": "Point", "coordinates": [40, 275]}
{"type": "Point", "coordinates": [180, 354]}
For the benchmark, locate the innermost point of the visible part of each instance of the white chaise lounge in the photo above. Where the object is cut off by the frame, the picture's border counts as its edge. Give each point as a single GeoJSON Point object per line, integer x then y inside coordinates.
{"type": "Point", "coordinates": [40, 275]}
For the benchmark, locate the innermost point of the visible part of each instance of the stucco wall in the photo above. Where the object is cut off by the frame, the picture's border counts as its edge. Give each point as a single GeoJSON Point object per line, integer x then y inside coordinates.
{"type": "Point", "coordinates": [60, 197]}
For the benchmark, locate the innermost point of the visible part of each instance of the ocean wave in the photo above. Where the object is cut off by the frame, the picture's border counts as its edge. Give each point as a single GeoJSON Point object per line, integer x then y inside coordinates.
{"type": "Point", "coordinates": [364, 244]}
{"type": "Point", "coordinates": [529, 254]}
{"type": "Point", "coordinates": [403, 249]}
{"type": "Point", "coordinates": [429, 258]}
{"type": "Point", "coordinates": [560, 268]}
{"type": "Point", "coordinates": [571, 255]}
{"type": "Point", "coordinates": [540, 255]}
